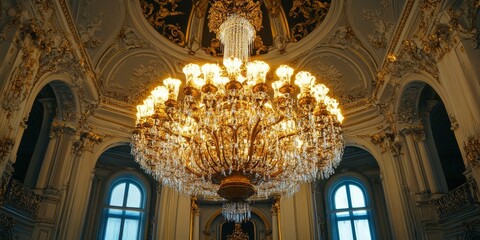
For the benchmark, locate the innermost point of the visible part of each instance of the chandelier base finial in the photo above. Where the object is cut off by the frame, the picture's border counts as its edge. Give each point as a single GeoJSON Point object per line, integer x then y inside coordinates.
{"type": "Point", "coordinates": [236, 187]}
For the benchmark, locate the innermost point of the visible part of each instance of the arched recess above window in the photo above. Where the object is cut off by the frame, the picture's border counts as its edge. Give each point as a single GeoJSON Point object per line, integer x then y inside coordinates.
{"type": "Point", "coordinates": [125, 208]}
{"type": "Point", "coordinates": [350, 209]}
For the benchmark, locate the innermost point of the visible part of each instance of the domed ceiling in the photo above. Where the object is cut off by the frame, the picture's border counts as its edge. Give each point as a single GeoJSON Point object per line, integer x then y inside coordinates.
{"type": "Point", "coordinates": [275, 21]}
{"type": "Point", "coordinates": [134, 44]}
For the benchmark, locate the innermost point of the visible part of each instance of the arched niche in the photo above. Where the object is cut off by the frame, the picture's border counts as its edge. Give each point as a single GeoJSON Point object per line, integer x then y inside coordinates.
{"type": "Point", "coordinates": [216, 226]}
{"type": "Point", "coordinates": [440, 139]}
{"type": "Point", "coordinates": [421, 105]}
{"type": "Point", "coordinates": [53, 101]}
{"type": "Point", "coordinates": [117, 161]}
{"type": "Point", "coordinates": [357, 165]}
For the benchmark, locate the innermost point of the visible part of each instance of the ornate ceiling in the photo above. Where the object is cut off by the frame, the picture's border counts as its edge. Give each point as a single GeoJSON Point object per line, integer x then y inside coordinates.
{"type": "Point", "coordinates": [134, 44]}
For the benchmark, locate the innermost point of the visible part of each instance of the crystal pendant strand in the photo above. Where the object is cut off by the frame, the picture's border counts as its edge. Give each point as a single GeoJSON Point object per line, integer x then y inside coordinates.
{"type": "Point", "coordinates": [236, 34]}
{"type": "Point", "coordinates": [236, 211]}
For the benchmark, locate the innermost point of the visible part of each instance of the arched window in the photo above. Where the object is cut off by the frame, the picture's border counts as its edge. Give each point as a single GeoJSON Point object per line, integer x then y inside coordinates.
{"type": "Point", "coordinates": [124, 211]}
{"type": "Point", "coordinates": [351, 213]}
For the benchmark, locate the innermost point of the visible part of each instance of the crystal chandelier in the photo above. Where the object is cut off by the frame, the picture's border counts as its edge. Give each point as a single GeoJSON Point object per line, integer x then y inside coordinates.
{"type": "Point", "coordinates": [229, 136]}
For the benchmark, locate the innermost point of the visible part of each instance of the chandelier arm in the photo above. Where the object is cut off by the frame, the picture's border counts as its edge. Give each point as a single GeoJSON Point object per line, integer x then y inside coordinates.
{"type": "Point", "coordinates": [234, 151]}
{"type": "Point", "coordinates": [202, 166]}
{"type": "Point", "coordinates": [223, 149]}
{"type": "Point", "coordinates": [261, 153]}
{"type": "Point", "coordinates": [287, 135]}
{"type": "Point", "coordinates": [252, 140]}
{"type": "Point", "coordinates": [210, 159]}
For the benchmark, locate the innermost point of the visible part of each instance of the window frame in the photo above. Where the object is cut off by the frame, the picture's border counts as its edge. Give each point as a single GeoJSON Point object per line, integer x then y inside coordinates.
{"type": "Point", "coordinates": [128, 179]}
{"type": "Point", "coordinates": [332, 188]}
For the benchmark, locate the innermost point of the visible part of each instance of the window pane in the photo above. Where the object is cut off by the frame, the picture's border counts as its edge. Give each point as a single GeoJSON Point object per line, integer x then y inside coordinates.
{"type": "Point", "coordinates": [341, 198]}
{"type": "Point", "coordinates": [343, 214]}
{"type": "Point", "coordinates": [356, 195]}
{"type": "Point", "coordinates": [112, 231]}
{"type": "Point", "coordinates": [345, 230]}
{"type": "Point", "coordinates": [118, 193]}
{"type": "Point", "coordinates": [362, 230]}
{"type": "Point", "coordinates": [130, 230]}
{"type": "Point", "coordinates": [360, 213]}
{"type": "Point", "coordinates": [134, 196]}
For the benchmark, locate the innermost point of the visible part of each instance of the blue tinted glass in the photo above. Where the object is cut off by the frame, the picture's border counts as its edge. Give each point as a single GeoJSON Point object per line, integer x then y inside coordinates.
{"type": "Point", "coordinates": [114, 212]}
{"type": "Point", "coordinates": [112, 231]}
{"type": "Point", "coordinates": [356, 196]}
{"type": "Point", "coordinates": [362, 229]}
{"type": "Point", "coordinates": [134, 197]}
{"type": "Point", "coordinates": [345, 230]}
{"type": "Point", "coordinates": [132, 213]}
{"type": "Point", "coordinates": [341, 200]}
{"type": "Point", "coordinates": [117, 195]}
{"type": "Point", "coordinates": [130, 229]}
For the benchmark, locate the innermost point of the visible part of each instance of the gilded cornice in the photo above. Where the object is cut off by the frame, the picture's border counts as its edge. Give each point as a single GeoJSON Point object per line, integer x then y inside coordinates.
{"type": "Point", "coordinates": [85, 59]}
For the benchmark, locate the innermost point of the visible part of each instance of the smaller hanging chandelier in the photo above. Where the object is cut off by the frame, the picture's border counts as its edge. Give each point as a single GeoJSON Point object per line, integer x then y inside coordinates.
{"type": "Point", "coordinates": [230, 136]}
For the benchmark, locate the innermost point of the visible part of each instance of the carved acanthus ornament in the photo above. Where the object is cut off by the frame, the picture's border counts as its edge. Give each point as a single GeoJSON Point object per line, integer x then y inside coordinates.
{"type": "Point", "coordinates": [453, 122]}
{"type": "Point", "coordinates": [421, 59]}
{"type": "Point", "coordinates": [312, 12]}
{"type": "Point", "coordinates": [274, 8]}
{"type": "Point", "coordinates": [4, 180]}
{"type": "Point", "coordinates": [194, 207]}
{"type": "Point", "coordinates": [458, 200]}
{"type": "Point", "coordinates": [333, 78]}
{"type": "Point", "coordinates": [221, 9]}
{"type": "Point", "coordinates": [407, 112]}
{"type": "Point", "coordinates": [88, 109]}
{"type": "Point", "coordinates": [472, 151]}
{"type": "Point", "coordinates": [438, 43]}
{"type": "Point", "coordinates": [22, 198]}
{"type": "Point", "coordinates": [463, 15]}
{"type": "Point", "coordinates": [417, 131]}
{"type": "Point", "coordinates": [88, 33]}
{"type": "Point", "coordinates": [156, 11]}
{"type": "Point", "coordinates": [6, 145]}
{"type": "Point", "coordinates": [128, 39]}
{"type": "Point", "coordinates": [342, 37]}
{"type": "Point", "coordinates": [86, 142]}
{"type": "Point", "coordinates": [382, 29]}
{"type": "Point", "coordinates": [31, 39]}
{"type": "Point", "coordinates": [386, 140]}
{"type": "Point", "coordinates": [276, 206]}
{"type": "Point", "coordinates": [58, 128]}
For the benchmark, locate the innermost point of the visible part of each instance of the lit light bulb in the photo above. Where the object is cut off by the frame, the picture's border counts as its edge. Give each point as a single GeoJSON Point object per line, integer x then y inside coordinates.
{"type": "Point", "coordinates": [285, 73]}
{"type": "Point", "coordinates": [232, 65]}
{"type": "Point", "coordinates": [305, 82]}
{"type": "Point", "coordinates": [160, 94]}
{"type": "Point", "coordinates": [191, 71]}
{"type": "Point", "coordinates": [276, 88]}
{"type": "Point", "coordinates": [173, 86]}
{"type": "Point", "coordinates": [210, 72]}
{"type": "Point", "coordinates": [257, 71]}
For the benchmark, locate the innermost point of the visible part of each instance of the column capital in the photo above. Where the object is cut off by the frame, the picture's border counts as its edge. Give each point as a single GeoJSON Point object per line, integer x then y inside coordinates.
{"type": "Point", "coordinates": [416, 131]}
{"type": "Point", "coordinates": [276, 206]}
{"type": "Point", "coordinates": [194, 206]}
{"type": "Point", "coordinates": [86, 142]}
{"type": "Point", "coordinates": [57, 128]}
